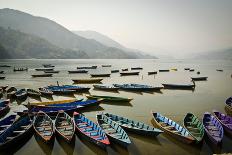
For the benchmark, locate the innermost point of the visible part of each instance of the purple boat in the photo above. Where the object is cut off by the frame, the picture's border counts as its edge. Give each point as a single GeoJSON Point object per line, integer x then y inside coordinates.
{"type": "Point", "coordinates": [225, 120]}
{"type": "Point", "coordinates": [229, 105]}
{"type": "Point", "coordinates": [213, 128]}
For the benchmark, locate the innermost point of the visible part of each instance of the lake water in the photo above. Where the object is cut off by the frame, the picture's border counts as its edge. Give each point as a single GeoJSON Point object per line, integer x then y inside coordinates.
{"type": "Point", "coordinates": [208, 95]}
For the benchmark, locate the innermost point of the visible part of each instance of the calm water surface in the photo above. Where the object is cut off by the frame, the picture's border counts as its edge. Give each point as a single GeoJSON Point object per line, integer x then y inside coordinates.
{"type": "Point", "coordinates": [208, 95]}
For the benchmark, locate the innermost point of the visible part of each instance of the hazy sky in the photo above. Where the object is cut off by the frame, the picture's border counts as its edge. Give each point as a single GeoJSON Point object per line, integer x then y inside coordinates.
{"type": "Point", "coordinates": [169, 26]}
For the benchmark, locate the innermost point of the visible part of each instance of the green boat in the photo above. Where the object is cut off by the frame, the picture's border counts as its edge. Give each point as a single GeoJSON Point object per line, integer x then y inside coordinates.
{"type": "Point", "coordinates": [109, 98]}
{"type": "Point", "coordinates": [194, 126]}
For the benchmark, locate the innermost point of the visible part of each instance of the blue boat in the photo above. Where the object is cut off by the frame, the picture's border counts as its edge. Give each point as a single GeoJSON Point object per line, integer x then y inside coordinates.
{"type": "Point", "coordinates": [16, 132]}
{"type": "Point", "coordinates": [137, 87]}
{"type": "Point", "coordinates": [134, 126]}
{"type": "Point", "coordinates": [91, 131]}
{"type": "Point", "coordinates": [228, 106]}
{"type": "Point", "coordinates": [113, 130]}
{"type": "Point", "coordinates": [172, 128]}
{"type": "Point", "coordinates": [69, 87]}
{"type": "Point", "coordinates": [21, 94]}
{"type": "Point", "coordinates": [6, 123]}
{"type": "Point", "coordinates": [65, 126]}
{"type": "Point", "coordinates": [50, 110]}
{"type": "Point", "coordinates": [78, 103]}
{"type": "Point", "coordinates": [4, 107]}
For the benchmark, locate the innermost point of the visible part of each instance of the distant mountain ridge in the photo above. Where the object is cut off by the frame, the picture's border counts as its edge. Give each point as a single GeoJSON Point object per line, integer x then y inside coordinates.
{"type": "Point", "coordinates": [18, 45]}
{"type": "Point", "coordinates": [59, 36]}
{"type": "Point", "coordinates": [107, 41]}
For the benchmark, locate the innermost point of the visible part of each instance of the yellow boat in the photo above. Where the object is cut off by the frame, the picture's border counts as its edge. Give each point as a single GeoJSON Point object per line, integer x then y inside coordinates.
{"type": "Point", "coordinates": [174, 69]}
{"type": "Point", "coordinates": [54, 102]}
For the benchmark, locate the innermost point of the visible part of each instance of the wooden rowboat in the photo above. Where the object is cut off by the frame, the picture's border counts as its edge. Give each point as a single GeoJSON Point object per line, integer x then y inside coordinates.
{"type": "Point", "coordinates": [213, 128]}
{"type": "Point", "coordinates": [4, 87]}
{"type": "Point", "coordinates": [74, 88]}
{"type": "Point", "coordinates": [33, 93]}
{"type": "Point", "coordinates": [136, 68]}
{"type": "Point", "coordinates": [106, 87]}
{"type": "Point", "coordinates": [87, 67]}
{"type": "Point", "coordinates": [1, 92]}
{"type": "Point", "coordinates": [90, 130]}
{"type": "Point", "coordinates": [109, 98]}
{"type": "Point", "coordinates": [11, 91]}
{"type": "Point", "coordinates": [43, 126]}
{"type": "Point", "coordinates": [16, 132]}
{"type": "Point", "coordinates": [225, 120]}
{"type": "Point", "coordinates": [50, 110]}
{"type": "Point", "coordinates": [113, 130]}
{"type": "Point", "coordinates": [115, 71]}
{"type": "Point", "coordinates": [137, 87]}
{"type": "Point", "coordinates": [87, 80]}
{"type": "Point", "coordinates": [179, 86]}
{"type": "Point", "coordinates": [134, 126]}
{"type": "Point", "coordinates": [4, 107]}
{"type": "Point", "coordinates": [44, 69]}
{"type": "Point", "coordinates": [164, 70]}
{"type": "Point", "coordinates": [152, 72]}
{"type": "Point", "coordinates": [129, 73]}
{"type": "Point", "coordinates": [194, 126]}
{"type": "Point", "coordinates": [228, 105]}
{"type": "Point", "coordinates": [79, 103]}
{"type": "Point", "coordinates": [20, 69]}
{"type": "Point", "coordinates": [21, 94]}
{"type": "Point", "coordinates": [6, 123]}
{"type": "Point", "coordinates": [64, 126]}
{"type": "Point", "coordinates": [77, 71]}
{"type": "Point", "coordinates": [124, 69]}
{"type": "Point", "coordinates": [54, 102]}
{"type": "Point", "coordinates": [100, 75]}
{"type": "Point", "coordinates": [106, 65]}
{"type": "Point", "coordinates": [53, 72]}
{"type": "Point", "coordinates": [42, 75]}
{"type": "Point", "coordinates": [199, 78]}
{"type": "Point", "coordinates": [45, 91]}
{"type": "Point", "coordinates": [2, 77]}
{"type": "Point", "coordinates": [172, 128]}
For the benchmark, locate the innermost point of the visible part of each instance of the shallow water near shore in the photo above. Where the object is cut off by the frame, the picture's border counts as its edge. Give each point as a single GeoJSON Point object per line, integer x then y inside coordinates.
{"type": "Point", "coordinates": [207, 95]}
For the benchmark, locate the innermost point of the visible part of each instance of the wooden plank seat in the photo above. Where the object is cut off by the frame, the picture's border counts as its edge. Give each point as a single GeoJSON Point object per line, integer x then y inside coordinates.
{"type": "Point", "coordinates": [169, 127]}
{"type": "Point", "coordinates": [4, 126]}
{"type": "Point", "coordinates": [64, 126]}
{"type": "Point", "coordinates": [18, 131]}
{"type": "Point", "coordinates": [212, 128]}
{"type": "Point", "coordinates": [69, 128]}
{"type": "Point", "coordinates": [68, 133]}
{"type": "Point", "coordinates": [47, 133]}
{"type": "Point", "coordinates": [9, 138]}
{"type": "Point", "coordinates": [25, 127]}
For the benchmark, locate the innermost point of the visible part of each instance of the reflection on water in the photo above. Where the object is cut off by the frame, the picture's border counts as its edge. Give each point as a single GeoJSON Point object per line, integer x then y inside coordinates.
{"type": "Point", "coordinates": [207, 95]}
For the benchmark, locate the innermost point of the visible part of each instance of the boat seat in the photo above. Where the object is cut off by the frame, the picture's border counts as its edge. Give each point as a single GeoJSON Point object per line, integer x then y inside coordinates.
{"type": "Point", "coordinates": [83, 123]}
{"type": "Point", "coordinates": [25, 127]}
{"type": "Point", "coordinates": [47, 133]}
{"type": "Point", "coordinates": [9, 138]}
{"type": "Point", "coordinates": [68, 133]}
{"type": "Point", "coordinates": [64, 126]}
{"type": "Point", "coordinates": [69, 128]}
{"type": "Point", "coordinates": [169, 127]}
{"type": "Point", "coordinates": [3, 126]}
{"type": "Point", "coordinates": [212, 128]}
